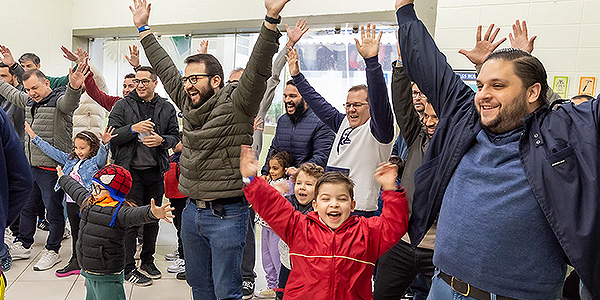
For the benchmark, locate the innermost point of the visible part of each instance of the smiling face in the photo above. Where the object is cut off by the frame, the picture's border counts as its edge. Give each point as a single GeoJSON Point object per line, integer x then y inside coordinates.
{"type": "Point", "coordinates": [419, 99]}
{"type": "Point", "coordinates": [203, 89]}
{"type": "Point", "coordinates": [430, 119]}
{"type": "Point", "coordinates": [502, 100]}
{"type": "Point", "coordinates": [128, 86]}
{"type": "Point", "coordinates": [357, 108]}
{"type": "Point", "coordinates": [292, 99]}
{"type": "Point", "coordinates": [145, 85]}
{"type": "Point", "coordinates": [276, 171]}
{"type": "Point", "coordinates": [36, 88]}
{"type": "Point", "coordinates": [305, 188]}
{"type": "Point", "coordinates": [334, 204]}
{"type": "Point", "coordinates": [82, 148]}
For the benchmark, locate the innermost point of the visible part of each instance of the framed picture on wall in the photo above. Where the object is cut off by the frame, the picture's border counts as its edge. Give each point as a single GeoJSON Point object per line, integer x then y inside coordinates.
{"type": "Point", "coordinates": [587, 86]}
{"type": "Point", "coordinates": [560, 86]}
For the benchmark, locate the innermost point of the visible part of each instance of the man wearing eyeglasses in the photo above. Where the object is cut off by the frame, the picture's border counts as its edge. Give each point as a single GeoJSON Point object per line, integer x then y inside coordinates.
{"type": "Point", "coordinates": [365, 134]}
{"type": "Point", "coordinates": [146, 128]}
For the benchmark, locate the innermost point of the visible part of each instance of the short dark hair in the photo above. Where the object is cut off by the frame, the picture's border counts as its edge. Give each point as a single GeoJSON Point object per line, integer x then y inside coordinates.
{"type": "Point", "coordinates": [212, 65]}
{"type": "Point", "coordinates": [130, 75]}
{"type": "Point", "coordinates": [336, 178]}
{"type": "Point", "coordinates": [2, 65]}
{"type": "Point", "coordinates": [582, 97]}
{"type": "Point", "coordinates": [360, 87]}
{"type": "Point", "coordinates": [290, 82]}
{"type": "Point", "coordinates": [527, 67]}
{"type": "Point", "coordinates": [284, 158]}
{"type": "Point", "coordinates": [30, 56]}
{"type": "Point", "coordinates": [147, 69]}
{"type": "Point", "coordinates": [240, 69]}
{"type": "Point", "coordinates": [34, 72]}
{"type": "Point", "coordinates": [311, 169]}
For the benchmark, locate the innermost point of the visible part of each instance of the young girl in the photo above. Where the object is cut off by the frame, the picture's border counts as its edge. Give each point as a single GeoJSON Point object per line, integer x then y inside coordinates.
{"type": "Point", "coordinates": [277, 178]}
{"type": "Point", "coordinates": [105, 217]}
{"type": "Point", "coordinates": [82, 163]}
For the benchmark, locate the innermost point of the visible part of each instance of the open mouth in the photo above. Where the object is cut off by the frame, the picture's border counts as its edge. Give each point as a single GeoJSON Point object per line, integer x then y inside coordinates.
{"type": "Point", "coordinates": [194, 94]}
{"type": "Point", "coordinates": [334, 215]}
{"type": "Point", "coordinates": [302, 195]}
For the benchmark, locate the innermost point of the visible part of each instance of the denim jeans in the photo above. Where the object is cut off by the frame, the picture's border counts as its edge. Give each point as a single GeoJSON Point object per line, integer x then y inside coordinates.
{"type": "Point", "coordinates": [43, 187]}
{"type": "Point", "coordinates": [213, 246]}
{"type": "Point", "coordinates": [249, 256]}
{"type": "Point", "coordinates": [440, 290]}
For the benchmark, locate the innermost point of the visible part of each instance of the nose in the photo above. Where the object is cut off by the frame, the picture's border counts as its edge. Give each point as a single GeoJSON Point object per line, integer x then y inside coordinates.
{"type": "Point", "coordinates": [484, 93]}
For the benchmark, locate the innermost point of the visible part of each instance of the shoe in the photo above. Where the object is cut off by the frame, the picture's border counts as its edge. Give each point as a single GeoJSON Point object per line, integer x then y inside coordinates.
{"type": "Point", "coordinates": [43, 225]}
{"type": "Point", "coordinates": [18, 251]}
{"type": "Point", "coordinates": [150, 270]}
{"type": "Point", "coordinates": [181, 276]}
{"type": "Point", "coordinates": [9, 238]}
{"type": "Point", "coordinates": [247, 289]}
{"type": "Point", "coordinates": [72, 268]}
{"type": "Point", "coordinates": [66, 234]}
{"type": "Point", "coordinates": [172, 256]}
{"type": "Point", "coordinates": [48, 260]}
{"type": "Point", "coordinates": [178, 266]}
{"type": "Point", "coordinates": [138, 251]}
{"type": "Point", "coordinates": [135, 277]}
{"type": "Point", "coordinates": [265, 294]}
{"type": "Point", "coordinates": [6, 263]}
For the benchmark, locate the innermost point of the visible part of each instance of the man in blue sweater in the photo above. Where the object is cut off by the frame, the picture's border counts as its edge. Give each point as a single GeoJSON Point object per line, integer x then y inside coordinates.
{"type": "Point", "coordinates": [365, 134]}
{"type": "Point", "coordinates": [515, 184]}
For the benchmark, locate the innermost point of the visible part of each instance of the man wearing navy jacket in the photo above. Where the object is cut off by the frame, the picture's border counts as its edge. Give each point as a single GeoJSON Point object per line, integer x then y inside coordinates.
{"type": "Point", "coordinates": [515, 184]}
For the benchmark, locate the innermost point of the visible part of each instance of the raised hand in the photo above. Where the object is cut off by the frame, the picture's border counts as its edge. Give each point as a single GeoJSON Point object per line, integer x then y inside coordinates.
{"type": "Point", "coordinates": [59, 171]}
{"type": "Point", "coordinates": [483, 47]}
{"type": "Point", "coordinates": [163, 212]}
{"type": "Point", "coordinates": [77, 77]}
{"type": "Point", "coordinates": [519, 39]}
{"type": "Point", "coordinates": [77, 57]}
{"type": "Point", "coordinates": [370, 42]}
{"type": "Point", "coordinates": [153, 140]}
{"type": "Point", "coordinates": [293, 62]}
{"type": "Point", "coordinates": [258, 121]}
{"type": "Point", "coordinates": [203, 47]}
{"type": "Point", "coordinates": [140, 12]}
{"type": "Point", "coordinates": [107, 135]}
{"type": "Point", "coordinates": [82, 55]}
{"type": "Point", "coordinates": [274, 7]}
{"type": "Point", "coordinates": [143, 126]}
{"type": "Point", "coordinates": [6, 56]}
{"type": "Point", "coordinates": [29, 131]}
{"type": "Point", "coordinates": [248, 162]}
{"type": "Point", "coordinates": [386, 175]}
{"type": "Point", "coordinates": [134, 56]}
{"type": "Point", "coordinates": [294, 34]}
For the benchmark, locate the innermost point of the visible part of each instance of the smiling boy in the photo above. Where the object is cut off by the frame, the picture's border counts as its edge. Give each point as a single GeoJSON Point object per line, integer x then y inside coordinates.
{"type": "Point", "coordinates": [332, 252]}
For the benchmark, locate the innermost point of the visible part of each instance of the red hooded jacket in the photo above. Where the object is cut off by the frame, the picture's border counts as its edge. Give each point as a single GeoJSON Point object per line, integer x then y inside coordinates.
{"type": "Point", "coordinates": [328, 264]}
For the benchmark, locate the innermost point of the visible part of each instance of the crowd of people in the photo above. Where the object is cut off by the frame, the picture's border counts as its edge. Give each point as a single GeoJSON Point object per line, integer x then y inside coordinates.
{"type": "Point", "coordinates": [486, 194]}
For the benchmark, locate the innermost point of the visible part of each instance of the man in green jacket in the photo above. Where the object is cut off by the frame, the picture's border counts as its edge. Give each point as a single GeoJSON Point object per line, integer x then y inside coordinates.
{"type": "Point", "coordinates": [217, 119]}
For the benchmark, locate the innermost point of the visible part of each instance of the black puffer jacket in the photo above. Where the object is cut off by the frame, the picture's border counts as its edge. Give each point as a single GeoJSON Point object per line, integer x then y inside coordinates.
{"type": "Point", "coordinates": [100, 247]}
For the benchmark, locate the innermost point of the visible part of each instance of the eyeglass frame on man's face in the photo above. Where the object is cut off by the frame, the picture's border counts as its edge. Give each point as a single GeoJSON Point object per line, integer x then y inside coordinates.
{"type": "Point", "coordinates": [357, 105]}
{"type": "Point", "coordinates": [144, 81]}
{"type": "Point", "coordinates": [193, 79]}
{"type": "Point", "coordinates": [416, 95]}
{"type": "Point", "coordinates": [97, 189]}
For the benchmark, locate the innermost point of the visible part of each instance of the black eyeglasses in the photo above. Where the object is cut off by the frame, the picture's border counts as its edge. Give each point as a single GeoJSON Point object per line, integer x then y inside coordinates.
{"type": "Point", "coordinates": [356, 105]}
{"type": "Point", "coordinates": [97, 189]}
{"type": "Point", "coordinates": [144, 82]}
{"type": "Point", "coordinates": [418, 95]}
{"type": "Point", "coordinates": [193, 79]}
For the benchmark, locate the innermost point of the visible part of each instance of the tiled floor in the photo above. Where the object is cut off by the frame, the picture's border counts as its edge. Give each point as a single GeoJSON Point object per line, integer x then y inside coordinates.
{"type": "Point", "coordinates": [25, 283]}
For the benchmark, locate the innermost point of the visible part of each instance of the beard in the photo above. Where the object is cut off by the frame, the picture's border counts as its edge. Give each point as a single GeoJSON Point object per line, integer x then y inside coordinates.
{"type": "Point", "coordinates": [509, 116]}
{"type": "Point", "coordinates": [205, 93]}
{"type": "Point", "coordinates": [298, 111]}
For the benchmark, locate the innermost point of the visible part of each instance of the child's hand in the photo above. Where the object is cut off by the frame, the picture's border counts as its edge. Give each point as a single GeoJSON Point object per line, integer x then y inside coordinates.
{"type": "Point", "coordinates": [386, 175]}
{"type": "Point", "coordinates": [107, 135]}
{"type": "Point", "coordinates": [282, 187]}
{"type": "Point", "coordinates": [163, 212]}
{"type": "Point", "coordinates": [248, 162]}
{"type": "Point", "coordinates": [59, 171]}
{"type": "Point", "coordinates": [29, 130]}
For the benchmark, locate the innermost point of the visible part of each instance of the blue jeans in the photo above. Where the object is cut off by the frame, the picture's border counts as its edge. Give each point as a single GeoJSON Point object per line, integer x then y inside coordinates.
{"type": "Point", "coordinates": [213, 247]}
{"type": "Point", "coordinates": [43, 187]}
{"type": "Point", "coordinates": [440, 290]}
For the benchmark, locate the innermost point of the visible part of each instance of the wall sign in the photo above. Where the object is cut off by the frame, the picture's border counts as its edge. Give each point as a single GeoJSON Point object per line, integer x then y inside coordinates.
{"type": "Point", "coordinates": [587, 85]}
{"type": "Point", "coordinates": [560, 86]}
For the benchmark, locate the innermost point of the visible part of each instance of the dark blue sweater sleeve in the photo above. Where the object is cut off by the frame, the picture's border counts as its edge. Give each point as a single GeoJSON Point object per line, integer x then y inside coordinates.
{"type": "Point", "coordinates": [16, 179]}
{"type": "Point", "coordinates": [322, 141]}
{"type": "Point", "coordinates": [382, 120]}
{"type": "Point", "coordinates": [427, 66]}
{"type": "Point", "coordinates": [325, 111]}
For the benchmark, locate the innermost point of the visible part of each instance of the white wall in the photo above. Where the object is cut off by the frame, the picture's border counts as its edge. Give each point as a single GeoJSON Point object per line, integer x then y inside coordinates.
{"type": "Point", "coordinates": [39, 26]}
{"type": "Point", "coordinates": [568, 32]}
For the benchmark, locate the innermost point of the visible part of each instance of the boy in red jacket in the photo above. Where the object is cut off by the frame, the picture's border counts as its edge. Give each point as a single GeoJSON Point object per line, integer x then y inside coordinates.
{"type": "Point", "coordinates": [332, 252]}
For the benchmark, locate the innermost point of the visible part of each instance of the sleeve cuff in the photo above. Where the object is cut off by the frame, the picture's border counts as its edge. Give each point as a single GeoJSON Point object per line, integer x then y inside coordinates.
{"type": "Point", "coordinates": [372, 62]}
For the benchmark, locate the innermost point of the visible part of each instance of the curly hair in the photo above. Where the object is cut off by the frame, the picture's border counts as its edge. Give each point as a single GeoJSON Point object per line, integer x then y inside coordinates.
{"type": "Point", "coordinates": [91, 139]}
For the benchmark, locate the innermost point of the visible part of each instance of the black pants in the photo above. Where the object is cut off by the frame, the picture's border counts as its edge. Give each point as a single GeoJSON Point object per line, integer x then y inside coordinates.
{"type": "Point", "coordinates": [284, 275]}
{"type": "Point", "coordinates": [397, 269]}
{"type": "Point", "coordinates": [73, 215]}
{"type": "Point", "coordinates": [147, 184]}
{"type": "Point", "coordinates": [249, 254]}
{"type": "Point", "coordinates": [178, 204]}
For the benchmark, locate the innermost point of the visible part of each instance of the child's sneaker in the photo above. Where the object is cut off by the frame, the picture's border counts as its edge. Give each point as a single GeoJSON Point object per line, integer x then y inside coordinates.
{"type": "Point", "coordinates": [177, 266]}
{"type": "Point", "coordinates": [172, 256]}
{"type": "Point", "coordinates": [8, 237]}
{"type": "Point", "coordinates": [181, 276]}
{"type": "Point", "coordinates": [43, 225]}
{"type": "Point", "coordinates": [247, 289]}
{"type": "Point", "coordinates": [66, 234]}
{"type": "Point", "coordinates": [135, 277]}
{"type": "Point", "coordinates": [72, 268]}
{"type": "Point", "coordinates": [18, 251]}
{"type": "Point", "coordinates": [265, 294]}
{"type": "Point", "coordinates": [48, 260]}
{"type": "Point", "coordinates": [6, 263]}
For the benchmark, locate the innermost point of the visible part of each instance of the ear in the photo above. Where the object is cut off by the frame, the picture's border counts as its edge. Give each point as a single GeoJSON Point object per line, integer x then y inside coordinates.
{"type": "Point", "coordinates": [47, 83]}
{"type": "Point", "coordinates": [353, 206]}
{"type": "Point", "coordinates": [533, 93]}
{"type": "Point", "coordinates": [314, 204]}
{"type": "Point", "coordinates": [215, 81]}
